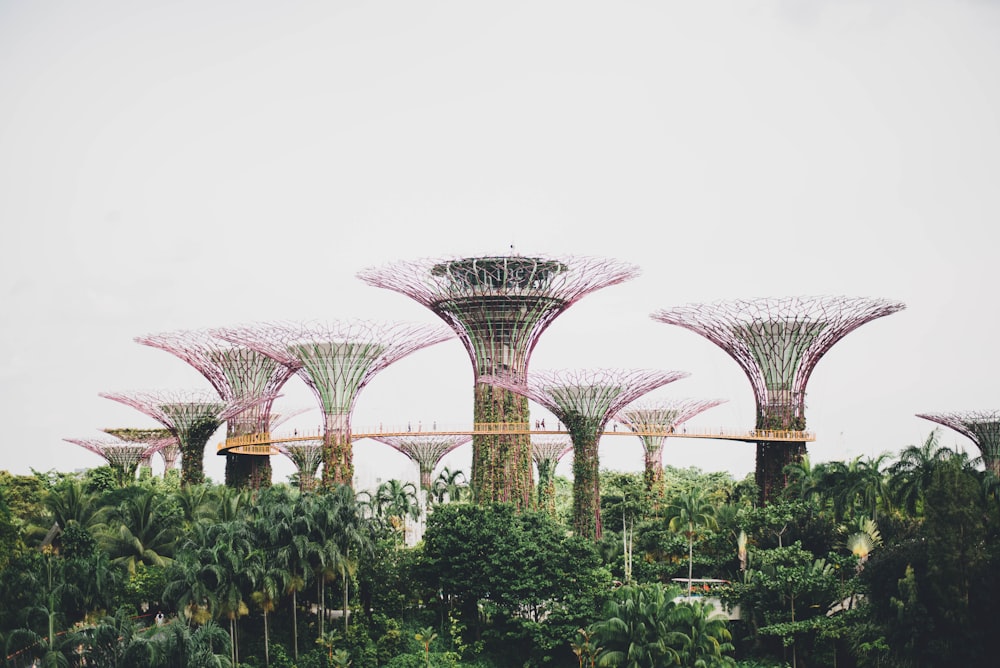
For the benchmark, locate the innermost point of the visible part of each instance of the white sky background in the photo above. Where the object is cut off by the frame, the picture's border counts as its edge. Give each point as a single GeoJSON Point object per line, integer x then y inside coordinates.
{"type": "Point", "coordinates": [180, 165]}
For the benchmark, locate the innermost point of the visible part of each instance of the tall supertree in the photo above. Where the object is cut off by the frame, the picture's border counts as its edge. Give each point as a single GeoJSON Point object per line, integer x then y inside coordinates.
{"type": "Point", "coordinates": [427, 450]}
{"type": "Point", "coordinates": [122, 456]}
{"type": "Point", "coordinates": [777, 343]}
{"type": "Point", "coordinates": [237, 373]}
{"type": "Point", "coordinates": [652, 421]}
{"type": "Point", "coordinates": [336, 360]}
{"type": "Point", "coordinates": [547, 451]}
{"type": "Point", "coordinates": [306, 455]}
{"type": "Point", "coordinates": [499, 306]}
{"type": "Point", "coordinates": [190, 416]}
{"type": "Point", "coordinates": [980, 427]}
{"type": "Point", "coordinates": [585, 400]}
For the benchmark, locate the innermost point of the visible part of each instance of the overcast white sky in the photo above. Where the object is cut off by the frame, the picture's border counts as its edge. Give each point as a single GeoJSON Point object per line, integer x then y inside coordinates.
{"type": "Point", "coordinates": [180, 165]}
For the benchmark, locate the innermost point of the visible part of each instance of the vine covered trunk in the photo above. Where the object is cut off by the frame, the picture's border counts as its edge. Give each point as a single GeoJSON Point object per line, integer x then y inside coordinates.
{"type": "Point", "coordinates": [501, 463]}
{"type": "Point", "coordinates": [586, 480]}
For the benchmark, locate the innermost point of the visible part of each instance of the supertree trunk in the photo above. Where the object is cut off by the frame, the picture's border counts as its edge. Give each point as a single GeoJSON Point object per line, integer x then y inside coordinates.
{"type": "Point", "coordinates": [501, 464]}
{"type": "Point", "coordinates": [586, 476]}
{"type": "Point", "coordinates": [652, 472]}
{"type": "Point", "coordinates": [338, 461]}
{"type": "Point", "coordinates": [547, 486]}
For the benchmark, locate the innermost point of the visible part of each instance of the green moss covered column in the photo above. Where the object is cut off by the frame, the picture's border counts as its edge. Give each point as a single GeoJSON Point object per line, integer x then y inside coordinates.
{"type": "Point", "coordinates": [338, 454]}
{"type": "Point", "coordinates": [501, 463]}
{"type": "Point", "coordinates": [585, 434]}
{"type": "Point", "coordinates": [192, 443]}
{"type": "Point", "coordinates": [547, 486]}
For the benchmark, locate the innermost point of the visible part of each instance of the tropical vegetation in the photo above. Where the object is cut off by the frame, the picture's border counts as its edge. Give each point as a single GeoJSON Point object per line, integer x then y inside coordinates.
{"type": "Point", "coordinates": [876, 561]}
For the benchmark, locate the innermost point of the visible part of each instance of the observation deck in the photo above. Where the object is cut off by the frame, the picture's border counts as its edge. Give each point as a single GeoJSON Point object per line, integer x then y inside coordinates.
{"type": "Point", "coordinates": [266, 443]}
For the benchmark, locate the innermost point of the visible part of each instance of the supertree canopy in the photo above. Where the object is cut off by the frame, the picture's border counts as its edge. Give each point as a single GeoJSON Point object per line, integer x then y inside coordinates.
{"type": "Point", "coordinates": [236, 372]}
{"type": "Point", "coordinates": [499, 306]}
{"type": "Point", "coordinates": [427, 450]}
{"type": "Point", "coordinates": [585, 400]}
{"type": "Point", "coordinates": [122, 456]}
{"type": "Point", "coordinates": [980, 427]}
{"type": "Point", "coordinates": [165, 443]}
{"type": "Point", "coordinates": [307, 455]}
{"type": "Point", "coordinates": [652, 421]}
{"type": "Point", "coordinates": [777, 342]}
{"type": "Point", "coordinates": [547, 451]}
{"type": "Point", "coordinates": [191, 417]}
{"type": "Point", "coordinates": [336, 360]}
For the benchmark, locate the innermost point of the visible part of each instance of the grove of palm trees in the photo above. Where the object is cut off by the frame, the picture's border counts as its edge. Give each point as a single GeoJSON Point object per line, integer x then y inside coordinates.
{"type": "Point", "coordinates": [881, 561]}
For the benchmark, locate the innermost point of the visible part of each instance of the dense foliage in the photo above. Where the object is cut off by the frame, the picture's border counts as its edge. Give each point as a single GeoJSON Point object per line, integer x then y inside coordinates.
{"type": "Point", "coordinates": [871, 562]}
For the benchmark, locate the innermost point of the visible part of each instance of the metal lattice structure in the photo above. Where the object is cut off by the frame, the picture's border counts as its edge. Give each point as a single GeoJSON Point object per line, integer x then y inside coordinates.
{"type": "Point", "coordinates": [165, 443]}
{"type": "Point", "coordinates": [778, 342]}
{"type": "Point", "coordinates": [499, 306]}
{"type": "Point", "coordinates": [122, 456]}
{"type": "Point", "coordinates": [547, 451]}
{"type": "Point", "coordinates": [652, 421]}
{"type": "Point", "coordinates": [307, 456]}
{"type": "Point", "coordinates": [336, 359]}
{"type": "Point", "coordinates": [426, 450]}
{"type": "Point", "coordinates": [979, 426]}
{"type": "Point", "coordinates": [585, 400]}
{"type": "Point", "coordinates": [190, 416]}
{"type": "Point", "coordinates": [237, 373]}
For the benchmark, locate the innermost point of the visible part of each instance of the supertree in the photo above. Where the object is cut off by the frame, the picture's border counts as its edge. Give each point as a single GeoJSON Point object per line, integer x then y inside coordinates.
{"type": "Point", "coordinates": [122, 456]}
{"type": "Point", "coordinates": [585, 400]}
{"type": "Point", "coordinates": [777, 342]}
{"type": "Point", "coordinates": [652, 421]}
{"type": "Point", "coordinates": [980, 427]}
{"type": "Point", "coordinates": [426, 450]}
{"type": "Point", "coordinates": [499, 306]}
{"type": "Point", "coordinates": [307, 455]}
{"type": "Point", "coordinates": [336, 360]}
{"type": "Point", "coordinates": [190, 416]}
{"type": "Point", "coordinates": [547, 451]}
{"type": "Point", "coordinates": [165, 443]}
{"type": "Point", "coordinates": [237, 373]}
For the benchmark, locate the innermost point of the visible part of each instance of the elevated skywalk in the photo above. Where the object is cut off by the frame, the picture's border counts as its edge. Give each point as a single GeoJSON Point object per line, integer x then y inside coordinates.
{"type": "Point", "coordinates": [266, 443]}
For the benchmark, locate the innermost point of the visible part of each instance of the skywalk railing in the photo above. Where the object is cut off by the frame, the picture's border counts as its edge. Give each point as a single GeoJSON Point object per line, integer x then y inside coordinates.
{"type": "Point", "coordinates": [264, 443]}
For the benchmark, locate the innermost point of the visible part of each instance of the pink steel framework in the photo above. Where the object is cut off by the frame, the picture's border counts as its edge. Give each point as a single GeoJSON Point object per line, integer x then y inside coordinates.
{"type": "Point", "coordinates": [122, 456]}
{"type": "Point", "coordinates": [336, 360]}
{"type": "Point", "coordinates": [499, 306]}
{"type": "Point", "coordinates": [547, 451]}
{"type": "Point", "coordinates": [237, 373]}
{"type": "Point", "coordinates": [307, 455]}
{"type": "Point", "coordinates": [652, 420]}
{"type": "Point", "coordinates": [426, 450]}
{"type": "Point", "coordinates": [982, 427]}
{"type": "Point", "coordinates": [585, 400]}
{"type": "Point", "coordinates": [778, 342]}
{"type": "Point", "coordinates": [164, 443]}
{"type": "Point", "coordinates": [191, 416]}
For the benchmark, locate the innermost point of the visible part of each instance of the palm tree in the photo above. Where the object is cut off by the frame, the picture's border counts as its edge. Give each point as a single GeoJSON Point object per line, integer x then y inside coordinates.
{"type": "Point", "coordinates": [689, 513]}
{"type": "Point", "coordinates": [197, 502]}
{"type": "Point", "coordinates": [192, 585]}
{"type": "Point", "coordinates": [702, 635]}
{"type": "Point", "coordinates": [397, 502]}
{"type": "Point", "coordinates": [450, 485]}
{"type": "Point", "coordinates": [116, 640]}
{"type": "Point", "coordinates": [910, 476]}
{"type": "Point", "coordinates": [635, 631]}
{"type": "Point", "coordinates": [177, 645]}
{"type": "Point", "coordinates": [143, 528]}
{"type": "Point", "coordinates": [268, 585]}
